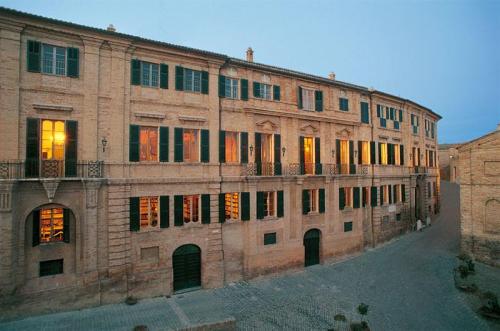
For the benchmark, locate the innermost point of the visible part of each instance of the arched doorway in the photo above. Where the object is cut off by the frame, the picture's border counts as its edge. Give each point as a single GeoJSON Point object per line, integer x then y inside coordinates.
{"type": "Point", "coordinates": [186, 262]}
{"type": "Point", "coordinates": [311, 247]}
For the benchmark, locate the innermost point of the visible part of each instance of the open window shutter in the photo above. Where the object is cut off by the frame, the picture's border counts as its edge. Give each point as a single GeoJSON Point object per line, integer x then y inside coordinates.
{"type": "Point", "coordinates": [205, 208]}
{"type": "Point", "coordinates": [256, 90]}
{"type": "Point", "coordinates": [341, 198]}
{"type": "Point", "coordinates": [299, 97]}
{"type": "Point", "coordinates": [378, 110]}
{"type": "Point", "coordinates": [337, 149]}
{"type": "Point", "coordinates": [317, 156]}
{"type": "Point", "coordinates": [401, 155]}
{"type": "Point", "coordinates": [32, 164]}
{"type": "Point", "coordinates": [277, 155]}
{"type": "Point", "coordinates": [179, 78]}
{"type": "Point", "coordinates": [401, 115]}
{"type": "Point", "coordinates": [260, 205]}
{"type": "Point", "coordinates": [403, 192]}
{"type": "Point", "coordinates": [178, 210]}
{"type": "Point", "coordinates": [222, 146]}
{"type": "Point", "coordinates": [164, 211]}
{"type": "Point", "coordinates": [244, 147]}
{"type": "Point", "coordinates": [66, 225]}
{"type": "Point", "coordinates": [356, 197]}
{"type": "Point", "coordinates": [373, 154]}
{"type": "Point", "coordinates": [36, 228]}
{"type": "Point", "coordinates": [222, 86]}
{"type": "Point", "coordinates": [391, 193]}
{"type": "Point", "coordinates": [178, 145]}
{"type": "Point", "coordinates": [245, 206]}
{"type": "Point", "coordinates": [258, 156]}
{"type": "Point", "coordinates": [351, 152]}
{"type": "Point", "coordinates": [70, 154]}
{"type": "Point", "coordinates": [392, 154]}
{"type": "Point", "coordinates": [133, 152]}
{"type": "Point", "coordinates": [204, 82]}
{"type": "Point", "coordinates": [205, 146]}
{"type": "Point", "coordinates": [280, 210]}
{"type": "Point", "coordinates": [135, 72]}
{"type": "Point", "coordinates": [379, 153]}
{"type": "Point", "coordinates": [34, 56]}
{"type": "Point", "coordinates": [306, 200]}
{"type": "Point", "coordinates": [321, 200]}
{"type": "Point", "coordinates": [164, 76]}
{"type": "Point", "coordinates": [134, 213]}
{"type": "Point", "coordinates": [364, 197]}
{"type": "Point", "coordinates": [318, 100]}
{"type": "Point", "coordinates": [164, 144]}
{"type": "Point", "coordinates": [302, 156]}
{"type": "Point", "coordinates": [244, 89]}
{"type": "Point", "coordinates": [373, 195]}
{"type": "Point", "coordinates": [360, 150]}
{"type": "Point", "coordinates": [394, 194]}
{"type": "Point", "coordinates": [222, 207]}
{"type": "Point", "coordinates": [381, 195]}
{"type": "Point", "coordinates": [276, 93]}
{"type": "Point", "coordinates": [73, 62]}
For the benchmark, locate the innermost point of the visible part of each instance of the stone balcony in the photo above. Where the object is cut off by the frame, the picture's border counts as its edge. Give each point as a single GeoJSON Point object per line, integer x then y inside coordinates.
{"type": "Point", "coordinates": [46, 169]}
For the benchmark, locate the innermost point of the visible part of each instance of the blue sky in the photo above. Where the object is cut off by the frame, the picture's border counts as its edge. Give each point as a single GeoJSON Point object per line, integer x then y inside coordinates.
{"type": "Point", "coordinates": [442, 54]}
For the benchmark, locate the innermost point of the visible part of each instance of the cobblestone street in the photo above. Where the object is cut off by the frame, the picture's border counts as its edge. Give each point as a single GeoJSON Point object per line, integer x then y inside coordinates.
{"type": "Point", "coordinates": [407, 283]}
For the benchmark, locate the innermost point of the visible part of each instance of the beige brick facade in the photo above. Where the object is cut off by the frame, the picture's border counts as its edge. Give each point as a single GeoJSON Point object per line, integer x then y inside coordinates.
{"type": "Point", "coordinates": [104, 261]}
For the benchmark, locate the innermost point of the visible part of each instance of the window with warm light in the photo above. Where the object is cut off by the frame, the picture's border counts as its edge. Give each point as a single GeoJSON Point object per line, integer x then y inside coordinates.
{"type": "Point", "coordinates": [383, 153]}
{"type": "Point", "coordinates": [191, 208]}
{"type": "Point", "coordinates": [269, 204]}
{"type": "Point", "coordinates": [232, 206]}
{"type": "Point", "coordinates": [365, 152]}
{"type": "Point", "coordinates": [309, 155]}
{"type": "Point", "coordinates": [231, 142]}
{"type": "Point", "coordinates": [397, 193]}
{"type": "Point", "coordinates": [53, 139]}
{"type": "Point", "coordinates": [51, 225]}
{"type": "Point", "coordinates": [191, 145]}
{"type": "Point", "coordinates": [385, 190]}
{"type": "Point", "coordinates": [348, 197]}
{"type": "Point", "coordinates": [148, 138]}
{"type": "Point", "coordinates": [344, 152]}
{"type": "Point", "coordinates": [397, 153]}
{"type": "Point", "coordinates": [148, 212]}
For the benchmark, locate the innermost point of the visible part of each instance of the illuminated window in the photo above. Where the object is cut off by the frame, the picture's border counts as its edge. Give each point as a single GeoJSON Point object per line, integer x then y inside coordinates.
{"type": "Point", "coordinates": [309, 155]}
{"type": "Point", "coordinates": [231, 146]}
{"type": "Point", "coordinates": [308, 101]}
{"type": "Point", "coordinates": [232, 206]}
{"type": "Point", "coordinates": [53, 139]}
{"type": "Point", "coordinates": [191, 145]}
{"type": "Point", "coordinates": [148, 212]}
{"type": "Point", "coordinates": [149, 144]}
{"type": "Point", "coordinates": [365, 152]}
{"type": "Point", "coordinates": [191, 210]}
{"type": "Point", "coordinates": [269, 204]}
{"type": "Point", "coordinates": [383, 152]}
{"type": "Point", "coordinates": [396, 154]}
{"type": "Point", "coordinates": [51, 225]}
{"type": "Point", "coordinates": [348, 197]}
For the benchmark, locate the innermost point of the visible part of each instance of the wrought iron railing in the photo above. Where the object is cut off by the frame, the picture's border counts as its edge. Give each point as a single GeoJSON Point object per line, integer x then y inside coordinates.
{"type": "Point", "coordinates": [301, 169]}
{"type": "Point", "coordinates": [20, 169]}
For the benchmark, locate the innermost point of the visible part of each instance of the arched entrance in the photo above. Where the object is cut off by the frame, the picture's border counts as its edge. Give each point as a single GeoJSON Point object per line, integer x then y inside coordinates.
{"type": "Point", "coordinates": [311, 247]}
{"type": "Point", "coordinates": [186, 262]}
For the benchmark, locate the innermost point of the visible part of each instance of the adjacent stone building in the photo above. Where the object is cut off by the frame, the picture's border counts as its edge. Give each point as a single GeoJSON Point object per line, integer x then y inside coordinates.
{"type": "Point", "coordinates": [448, 162]}
{"type": "Point", "coordinates": [132, 167]}
{"type": "Point", "coordinates": [479, 167]}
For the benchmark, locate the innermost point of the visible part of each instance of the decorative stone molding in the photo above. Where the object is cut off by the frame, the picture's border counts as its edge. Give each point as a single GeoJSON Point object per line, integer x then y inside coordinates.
{"type": "Point", "coordinates": [6, 196]}
{"type": "Point", "coordinates": [396, 139]}
{"type": "Point", "coordinates": [150, 115]}
{"type": "Point", "coordinates": [383, 137]}
{"type": "Point", "coordinates": [266, 79]}
{"type": "Point", "coordinates": [53, 107]}
{"type": "Point", "coordinates": [91, 191]}
{"type": "Point", "coordinates": [50, 186]}
{"type": "Point", "coordinates": [232, 72]}
{"type": "Point", "coordinates": [192, 119]}
{"type": "Point", "coordinates": [267, 125]}
{"type": "Point", "coordinates": [344, 134]}
{"type": "Point", "coordinates": [309, 129]}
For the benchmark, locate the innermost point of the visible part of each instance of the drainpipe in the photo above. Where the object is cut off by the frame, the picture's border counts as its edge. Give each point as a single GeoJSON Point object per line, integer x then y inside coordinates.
{"type": "Point", "coordinates": [373, 172]}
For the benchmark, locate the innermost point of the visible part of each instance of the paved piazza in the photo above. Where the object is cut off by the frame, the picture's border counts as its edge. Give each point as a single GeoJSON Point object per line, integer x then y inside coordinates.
{"type": "Point", "coordinates": [407, 283]}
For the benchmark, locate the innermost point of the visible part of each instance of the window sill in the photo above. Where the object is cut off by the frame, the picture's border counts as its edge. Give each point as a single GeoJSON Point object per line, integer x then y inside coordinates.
{"type": "Point", "coordinates": [270, 218]}
{"type": "Point", "coordinates": [149, 229]}
{"type": "Point", "coordinates": [197, 224]}
{"type": "Point", "coordinates": [313, 213]}
{"type": "Point", "coordinates": [347, 210]}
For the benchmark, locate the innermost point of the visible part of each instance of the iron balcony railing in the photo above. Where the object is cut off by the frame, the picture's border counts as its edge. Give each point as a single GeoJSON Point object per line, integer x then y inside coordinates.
{"type": "Point", "coordinates": [21, 169]}
{"type": "Point", "coordinates": [300, 169]}
{"type": "Point", "coordinates": [420, 170]}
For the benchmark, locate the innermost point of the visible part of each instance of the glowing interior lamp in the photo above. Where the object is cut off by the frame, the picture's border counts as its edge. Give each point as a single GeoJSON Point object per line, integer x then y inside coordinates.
{"type": "Point", "coordinates": [59, 138]}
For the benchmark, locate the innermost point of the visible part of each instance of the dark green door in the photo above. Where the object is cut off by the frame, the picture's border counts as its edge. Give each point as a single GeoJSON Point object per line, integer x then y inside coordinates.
{"type": "Point", "coordinates": [311, 246]}
{"type": "Point", "coordinates": [187, 267]}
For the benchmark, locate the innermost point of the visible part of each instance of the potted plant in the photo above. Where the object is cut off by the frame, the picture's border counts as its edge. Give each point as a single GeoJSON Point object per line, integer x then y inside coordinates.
{"type": "Point", "coordinates": [363, 325]}
{"type": "Point", "coordinates": [490, 307]}
{"type": "Point", "coordinates": [340, 322]}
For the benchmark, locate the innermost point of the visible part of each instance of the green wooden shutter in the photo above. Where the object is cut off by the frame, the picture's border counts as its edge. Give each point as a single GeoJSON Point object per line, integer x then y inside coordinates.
{"type": "Point", "coordinates": [32, 165]}
{"type": "Point", "coordinates": [133, 146]}
{"type": "Point", "coordinates": [35, 238]}
{"type": "Point", "coordinates": [258, 156]}
{"type": "Point", "coordinates": [277, 155]}
{"type": "Point", "coordinates": [337, 148]}
{"type": "Point", "coordinates": [322, 200]}
{"type": "Point", "coordinates": [318, 100]}
{"type": "Point", "coordinates": [364, 196]}
{"type": "Point", "coordinates": [164, 211]}
{"type": "Point", "coordinates": [204, 82]}
{"type": "Point", "coordinates": [135, 72]}
{"type": "Point", "coordinates": [222, 86]}
{"type": "Point", "coordinates": [205, 208]}
{"type": "Point", "coordinates": [403, 192]}
{"type": "Point", "coordinates": [256, 90]}
{"type": "Point", "coordinates": [244, 147]}
{"type": "Point", "coordinates": [360, 154]}
{"type": "Point", "coordinates": [71, 146]}
{"type": "Point", "coordinates": [373, 153]}
{"type": "Point", "coordinates": [306, 201]}
{"type": "Point", "coordinates": [73, 62]}
{"type": "Point", "coordinates": [378, 110]}
{"type": "Point", "coordinates": [401, 155]}
{"type": "Point", "coordinates": [302, 156]}
{"type": "Point", "coordinates": [222, 207]}
{"type": "Point", "coordinates": [178, 145]}
{"type": "Point", "coordinates": [205, 146]}
{"type": "Point", "coordinates": [164, 144]}
{"type": "Point", "coordinates": [178, 210]}
{"type": "Point", "coordinates": [276, 93]}
{"type": "Point", "coordinates": [299, 98]}
{"type": "Point", "coordinates": [134, 213]}
{"type": "Point", "coordinates": [280, 210]}
{"type": "Point", "coordinates": [382, 195]}
{"type": "Point", "coordinates": [244, 89]}
{"type": "Point", "coordinates": [365, 117]}
{"type": "Point", "coordinates": [391, 193]}
{"type": "Point", "coordinates": [318, 167]}
{"type": "Point", "coordinates": [373, 196]}
{"type": "Point", "coordinates": [351, 152]}
{"type": "Point", "coordinates": [356, 197]}
{"type": "Point", "coordinates": [379, 153]}
{"type": "Point", "coordinates": [34, 59]}
{"type": "Point", "coordinates": [179, 78]}
{"type": "Point", "coordinates": [260, 205]}
{"type": "Point", "coordinates": [401, 115]}
{"type": "Point", "coordinates": [341, 198]}
{"type": "Point", "coordinates": [164, 76]}
{"type": "Point", "coordinates": [245, 206]}
{"type": "Point", "coordinates": [222, 146]}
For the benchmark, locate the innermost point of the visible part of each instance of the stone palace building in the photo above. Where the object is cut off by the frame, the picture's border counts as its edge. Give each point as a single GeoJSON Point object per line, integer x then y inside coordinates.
{"type": "Point", "coordinates": [133, 167]}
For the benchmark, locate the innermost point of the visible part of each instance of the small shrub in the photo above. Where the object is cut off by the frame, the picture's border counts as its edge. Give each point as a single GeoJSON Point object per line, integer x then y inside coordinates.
{"type": "Point", "coordinates": [339, 317]}
{"type": "Point", "coordinates": [130, 300]}
{"type": "Point", "coordinates": [463, 271]}
{"type": "Point", "coordinates": [471, 266]}
{"type": "Point", "coordinates": [363, 309]}
{"type": "Point", "coordinates": [491, 302]}
{"type": "Point", "coordinates": [463, 257]}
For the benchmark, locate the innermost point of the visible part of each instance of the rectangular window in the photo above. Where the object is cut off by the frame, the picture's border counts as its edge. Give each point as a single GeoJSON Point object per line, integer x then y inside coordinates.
{"type": "Point", "coordinates": [347, 226]}
{"type": "Point", "coordinates": [53, 139]}
{"type": "Point", "coordinates": [308, 100]}
{"type": "Point", "coordinates": [191, 208]}
{"type": "Point", "coordinates": [231, 88]}
{"type": "Point", "coordinates": [366, 196]}
{"type": "Point", "coordinates": [397, 157]}
{"type": "Point", "coordinates": [231, 142]}
{"type": "Point", "coordinates": [149, 74]}
{"type": "Point", "coordinates": [415, 122]}
{"type": "Point", "coordinates": [148, 139]}
{"type": "Point", "coordinates": [365, 152]}
{"type": "Point", "coordinates": [383, 153]}
{"type": "Point", "coordinates": [269, 204]}
{"type": "Point", "coordinates": [365, 117]}
{"type": "Point", "coordinates": [51, 267]}
{"type": "Point", "coordinates": [270, 238]}
{"type": "Point", "coordinates": [191, 145]}
{"type": "Point", "coordinates": [148, 209]}
{"type": "Point", "coordinates": [232, 206]}
{"type": "Point", "coordinates": [192, 80]}
{"type": "Point", "coordinates": [53, 60]}
{"type": "Point", "coordinates": [313, 201]}
{"type": "Point", "coordinates": [265, 91]}
{"type": "Point", "coordinates": [385, 190]}
{"type": "Point", "coordinates": [309, 154]}
{"type": "Point", "coordinates": [344, 104]}
{"type": "Point", "coordinates": [51, 225]}
{"type": "Point", "coordinates": [348, 196]}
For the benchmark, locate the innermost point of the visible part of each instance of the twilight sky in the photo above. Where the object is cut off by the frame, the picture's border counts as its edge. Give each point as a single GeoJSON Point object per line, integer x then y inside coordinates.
{"type": "Point", "coordinates": [444, 55]}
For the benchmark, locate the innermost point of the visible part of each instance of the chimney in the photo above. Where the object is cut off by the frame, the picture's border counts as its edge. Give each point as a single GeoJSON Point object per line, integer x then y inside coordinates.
{"type": "Point", "coordinates": [111, 28]}
{"type": "Point", "coordinates": [250, 54]}
{"type": "Point", "coordinates": [331, 75]}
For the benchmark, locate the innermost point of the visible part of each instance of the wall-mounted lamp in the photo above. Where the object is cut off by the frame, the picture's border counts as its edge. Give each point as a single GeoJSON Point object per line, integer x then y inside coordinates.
{"type": "Point", "coordinates": [355, 154]}
{"type": "Point", "coordinates": [104, 142]}
{"type": "Point", "coordinates": [333, 153]}
{"type": "Point", "coordinates": [283, 150]}
{"type": "Point", "coordinates": [251, 150]}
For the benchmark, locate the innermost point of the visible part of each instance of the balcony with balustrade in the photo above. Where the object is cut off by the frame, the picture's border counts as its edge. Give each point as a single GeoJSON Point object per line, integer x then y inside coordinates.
{"type": "Point", "coordinates": [61, 169]}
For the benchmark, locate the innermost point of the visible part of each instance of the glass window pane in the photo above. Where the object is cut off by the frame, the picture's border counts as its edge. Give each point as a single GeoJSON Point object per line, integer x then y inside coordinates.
{"type": "Point", "coordinates": [154, 75]}
{"type": "Point", "coordinates": [197, 81]}
{"type": "Point", "coordinates": [145, 73]}
{"type": "Point", "coordinates": [188, 80]}
{"type": "Point", "coordinates": [191, 145]}
{"type": "Point", "coordinates": [231, 147]}
{"type": "Point", "coordinates": [60, 61]}
{"type": "Point", "coordinates": [47, 59]}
